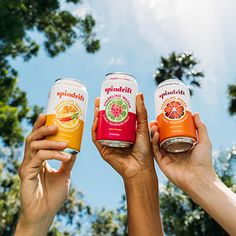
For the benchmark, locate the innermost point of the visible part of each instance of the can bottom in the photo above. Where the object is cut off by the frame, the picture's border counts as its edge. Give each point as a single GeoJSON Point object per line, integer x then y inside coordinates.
{"type": "Point", "coordinates": [115, 143]}
{"type": "Point", "coordinates": [70, 151]}
{"type": "Point", "coordinates": [178, 144]}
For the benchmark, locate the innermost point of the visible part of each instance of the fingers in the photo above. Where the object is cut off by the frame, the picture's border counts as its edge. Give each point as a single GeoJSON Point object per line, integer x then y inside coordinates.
{"type": "Point", "coordinates": [155, 143]}
{"type": "Point", "coordinates": [44, 155]}
{"type": "Point", "coordinates": [201, 129]}
{"type": "Point", "coordinates": [39, 122]}
{"type": "Point", "coordinates": [95, 124]}
{"type": "Point", "coordinates": [67, 166]}
{"type": "Point", "coordinates": [47, 145]}
{"type": "Point", "coordinates": [31, 170]}
{"type": "Point", "coordinates": [97, 102]}
{"type": "Point", "coordinates": [142, 118]}
{"type": "Point", "coordinates": [153, 122]}
{"type": "Point", "coordinates": [41, 132]}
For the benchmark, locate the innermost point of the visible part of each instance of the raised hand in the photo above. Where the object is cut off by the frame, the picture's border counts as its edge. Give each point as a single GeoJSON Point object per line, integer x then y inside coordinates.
{"type": "Point", "coordinates": [128, 162]}
{"type": "Point", "coordinates": [184, 168]}
{"type": "Point", "coordinates": [43, 189]}
{"type": "Point", "coordinates": [135, 164]}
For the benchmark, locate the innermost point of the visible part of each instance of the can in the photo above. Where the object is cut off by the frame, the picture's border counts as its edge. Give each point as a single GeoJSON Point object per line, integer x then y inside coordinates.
{"type": "Point", "coordinates": [174, 116]}
{"type": "Point", "coordinates": [67, 107]}
{"type": "Point", "coordinates": [117, 112]}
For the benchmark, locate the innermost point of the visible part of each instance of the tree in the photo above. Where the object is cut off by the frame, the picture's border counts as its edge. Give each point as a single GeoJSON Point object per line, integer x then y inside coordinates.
{"type": "Point", "coordinates": [232, 99]}
{"type": "Point", "coordinates": [19, 21]}
{"type": "Point", "coordinates": [179, 66]}
{"type": "Point", "coordinates": [68, 220]}
{"type": "Point", "coordinates": [181, 216]}
{"type": "Point", "coordinates": [60, 30]}
{"type": "Point", "coordinates": [110, 223]}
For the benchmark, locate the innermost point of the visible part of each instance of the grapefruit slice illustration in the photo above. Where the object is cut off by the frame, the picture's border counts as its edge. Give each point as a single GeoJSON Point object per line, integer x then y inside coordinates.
{"type": "Point", "coordinates": [174, 110]}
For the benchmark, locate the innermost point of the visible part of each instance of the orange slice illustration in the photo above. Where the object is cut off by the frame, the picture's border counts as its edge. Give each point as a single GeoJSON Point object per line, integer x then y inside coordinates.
{"type": "Point", "coordinates": [174, 110]}
{"type": "Point", "coordinates": [68, 115]}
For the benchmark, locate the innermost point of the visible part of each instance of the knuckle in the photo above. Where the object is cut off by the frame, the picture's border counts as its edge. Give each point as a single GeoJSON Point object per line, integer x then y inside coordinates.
{"type": "Point", "coordinates": [32, 145]}
{"type": "Point", "coordinates": [40, 154]}
{"type": "Point", "coordinates": [204, 126]}
{"type": "Point", "coordinates": [210, 143]}
{"type": "Point", "coordinates": [21, 172]}
{"type": "Point", "coordinates": [28, 139]}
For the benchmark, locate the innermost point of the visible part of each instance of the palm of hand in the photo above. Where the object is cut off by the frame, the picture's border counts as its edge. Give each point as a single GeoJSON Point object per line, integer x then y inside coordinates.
{"type": "Point", "coordinates": [129, 161]}
{"type": "Point", "coordinates": [43, 196]}
{"type": "Point", "coordinates": [183, 168]}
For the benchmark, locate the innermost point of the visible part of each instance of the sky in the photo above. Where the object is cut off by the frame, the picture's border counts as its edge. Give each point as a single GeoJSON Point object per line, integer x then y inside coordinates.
{"type": "Point", "coordinates": [134, 34]}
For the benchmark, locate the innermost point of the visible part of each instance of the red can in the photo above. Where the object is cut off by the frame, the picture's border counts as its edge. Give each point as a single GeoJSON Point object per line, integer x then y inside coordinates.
{"type": "Point", "coordinates": [117, 111]}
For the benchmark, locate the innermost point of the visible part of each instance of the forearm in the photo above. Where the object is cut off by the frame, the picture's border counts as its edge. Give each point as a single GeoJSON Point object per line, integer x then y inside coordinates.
{"type": "Point", "coordinates": [23, 228]}
{"type": "Point", "coordinates": [218, 200]}
{"type": "Point", "coordinates": [143, 205]}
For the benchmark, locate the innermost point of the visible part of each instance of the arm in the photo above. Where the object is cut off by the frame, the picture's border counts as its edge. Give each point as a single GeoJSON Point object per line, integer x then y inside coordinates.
{"type": "Point", "coordinates": [216, 199]}
{"type": "Point", "coordinates": [193, 172]}
{"type": "Point", "coordinates": [23, 228]}
{"type": "Point", "coordinates": [143, 205]}
{"type": "Point", "coordinates": [136, 166]}
{"type": "Point", "coordinates": [43, 189]}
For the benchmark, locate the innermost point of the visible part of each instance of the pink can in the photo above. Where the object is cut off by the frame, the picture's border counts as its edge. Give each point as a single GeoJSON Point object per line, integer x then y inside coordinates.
{"type": "Point", "coordinates": [117, 111]}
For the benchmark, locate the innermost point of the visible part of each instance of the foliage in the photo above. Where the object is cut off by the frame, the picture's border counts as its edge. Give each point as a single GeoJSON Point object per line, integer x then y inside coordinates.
{"type": "Point", "coordinates": [179, 66]}
{"type": "Point", "coordinates": [75, 217]}
{"type": "Point", "coordinates": [19, 21]}
{"type": "Point", "coordinates": [232, 98]}
{"type": "Point", "coordinates": [181, 216]}
{"type": "Point", "coordinates": [110, 223]}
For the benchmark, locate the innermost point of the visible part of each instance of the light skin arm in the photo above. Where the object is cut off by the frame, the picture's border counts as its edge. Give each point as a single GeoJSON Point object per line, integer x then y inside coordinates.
{"type": "Point", "coordinates": [43, 189]}
{"type": "Point", "coordinates": [193, 172]}
{"type": "Point", "coordinates": [135, 165]}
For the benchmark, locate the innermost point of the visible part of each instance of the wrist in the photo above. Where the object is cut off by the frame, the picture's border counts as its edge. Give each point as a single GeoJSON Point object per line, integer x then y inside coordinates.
{"type": "Point", "coordinates": [37, 229]}
{"type": "Point", "coordinates": [144, 177]}
{"type": "Point", "coordinates": [202, 184]}
{"type": "Point", "coordinates": [143, 185]}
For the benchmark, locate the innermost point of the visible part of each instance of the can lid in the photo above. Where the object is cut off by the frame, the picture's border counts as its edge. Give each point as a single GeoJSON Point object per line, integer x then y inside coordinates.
{"type": "Point", "coordinates": [71, 81]}
{"type": "Point", "coordinates": [170, 81]}
{"type": "Point", "coordinates": [120, 74]}
{"type": "Point", "coordinates": [178, 144]}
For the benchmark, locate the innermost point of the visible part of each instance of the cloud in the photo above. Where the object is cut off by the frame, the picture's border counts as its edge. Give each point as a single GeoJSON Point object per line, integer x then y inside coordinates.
{"type": "Point", "coordinates": [189, 25]}
{"type": "Point", "coordinates": [82, 10]}
{"type": "Point", "coordinates": [115, 61]}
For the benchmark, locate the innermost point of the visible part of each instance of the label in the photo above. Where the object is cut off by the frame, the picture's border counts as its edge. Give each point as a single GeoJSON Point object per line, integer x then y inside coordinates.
{"type": "Point", "coordinates": [66, 109]}
{"type": "Point", "coordinates": [174, 116]}
{"type": "Point", "coordinates": [117, 112]}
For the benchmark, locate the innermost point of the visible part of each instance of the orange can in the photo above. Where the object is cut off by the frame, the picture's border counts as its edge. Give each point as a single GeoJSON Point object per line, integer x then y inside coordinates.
{"type": "Point", "coordinates": [67, 106]}
{"type": "Point", "coordinates": [174, 116]}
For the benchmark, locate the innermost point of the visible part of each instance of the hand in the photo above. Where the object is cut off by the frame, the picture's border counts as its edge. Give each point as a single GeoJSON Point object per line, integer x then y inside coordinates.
{"type": "Point", "coordinates": [184, 168]}
{"type": "Point", "coordinates": [43, 189]}
{"type": "Point", "coordinates": [135, 164]}
{"type": "Point", "coordinates": [129, 162]}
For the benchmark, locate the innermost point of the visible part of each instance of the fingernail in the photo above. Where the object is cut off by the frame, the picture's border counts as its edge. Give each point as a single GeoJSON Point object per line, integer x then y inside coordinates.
{"type": "Point", "coordinates": [62, 144]}
{"type": "Point", "coordinates": [51, 127]}
{"type": "Point", "coordinates": [66, 155]}
{"type": "Point", "coordinates": [141, 96]}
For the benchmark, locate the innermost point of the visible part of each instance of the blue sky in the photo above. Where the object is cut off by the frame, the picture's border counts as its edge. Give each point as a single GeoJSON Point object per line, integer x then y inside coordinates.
{"type": "Point", "coordinates": [134, 34]}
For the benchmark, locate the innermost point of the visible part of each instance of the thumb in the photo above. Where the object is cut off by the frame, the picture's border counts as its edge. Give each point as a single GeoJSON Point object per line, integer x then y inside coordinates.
{"type": "Point", "coordinates": [142, 118]}
{"type": "Point", "coordinates": [66, 167]}
{"type": "Point", "coordinates": [201, 129]}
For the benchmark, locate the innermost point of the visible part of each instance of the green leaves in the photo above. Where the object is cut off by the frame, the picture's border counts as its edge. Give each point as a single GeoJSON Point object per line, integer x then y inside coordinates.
{"type": "Point", "coordinates": [59, 28]}
{"type": "Point", "coordinates": [181, 216]}
{"type": "Point", "coordinates": [232, 99]}
{"type": "Point", "coordinates": [179, 66]}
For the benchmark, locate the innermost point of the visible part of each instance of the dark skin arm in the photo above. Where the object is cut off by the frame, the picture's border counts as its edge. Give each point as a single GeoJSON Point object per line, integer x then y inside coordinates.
{"type": "Point", "coordinates": [135, 165]}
